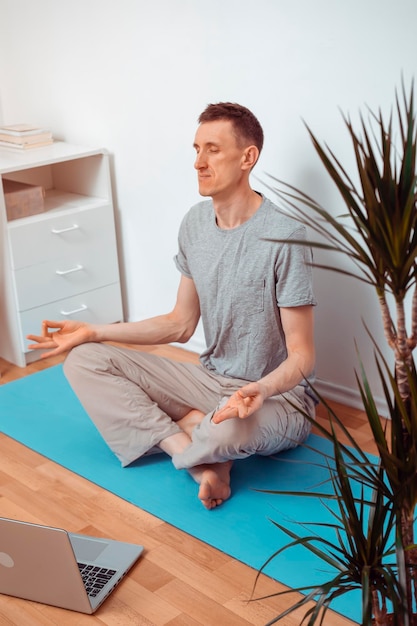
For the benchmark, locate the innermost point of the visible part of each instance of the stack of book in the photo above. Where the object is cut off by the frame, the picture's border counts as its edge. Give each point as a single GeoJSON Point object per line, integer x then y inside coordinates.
{"type": "Point", "coordinates": [24, 137]}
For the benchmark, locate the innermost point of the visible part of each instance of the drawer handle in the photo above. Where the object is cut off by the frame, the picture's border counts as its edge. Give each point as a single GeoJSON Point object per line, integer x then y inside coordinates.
{"type": "Point", "coordinates": [77, 268]}
{"type": "Point", "coordinates": [83, 307]}
{"type": "Point", "coordinates": [57, 231]}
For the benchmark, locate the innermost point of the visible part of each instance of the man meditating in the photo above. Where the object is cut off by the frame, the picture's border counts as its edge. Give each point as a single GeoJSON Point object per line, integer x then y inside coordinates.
{"type": "Point", "coordinates": [256, 303]}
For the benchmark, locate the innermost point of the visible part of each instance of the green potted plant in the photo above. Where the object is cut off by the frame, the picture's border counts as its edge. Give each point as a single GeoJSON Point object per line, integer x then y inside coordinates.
{"type": "Point", "coordinates": [379, 234]}
{"type": "Point", "coordinates": [365, 552]}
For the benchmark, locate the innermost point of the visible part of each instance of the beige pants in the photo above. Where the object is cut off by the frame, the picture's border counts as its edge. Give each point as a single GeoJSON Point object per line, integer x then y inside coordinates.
{"type": "Point", "coordinates": [135, 398]}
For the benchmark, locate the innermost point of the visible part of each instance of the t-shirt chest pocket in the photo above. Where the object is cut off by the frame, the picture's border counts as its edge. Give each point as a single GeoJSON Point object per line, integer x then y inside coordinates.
{"type": "Point", "coordinates": [249, 298]}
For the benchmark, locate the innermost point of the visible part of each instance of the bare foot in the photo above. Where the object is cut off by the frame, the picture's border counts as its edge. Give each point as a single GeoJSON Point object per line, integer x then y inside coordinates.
{"type": "Point", "coordinates": [214, 483]}
{"type": "Point", "coordinates": [214, 480]}
{"type": "Point", "coordinates": [190, 421]}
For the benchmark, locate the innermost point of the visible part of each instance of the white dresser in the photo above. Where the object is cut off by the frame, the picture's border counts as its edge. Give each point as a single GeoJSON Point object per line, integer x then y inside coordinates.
{"type": "Point", "coordinates": [61, 263]}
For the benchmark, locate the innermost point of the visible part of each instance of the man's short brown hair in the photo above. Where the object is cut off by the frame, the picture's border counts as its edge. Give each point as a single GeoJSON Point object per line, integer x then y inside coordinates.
{"type": "Point", "coordinates": [246, 126]}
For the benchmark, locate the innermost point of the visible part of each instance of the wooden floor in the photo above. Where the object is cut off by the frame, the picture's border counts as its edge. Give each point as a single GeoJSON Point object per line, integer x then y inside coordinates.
{"type": "Point", "coordinates": [180, 581]}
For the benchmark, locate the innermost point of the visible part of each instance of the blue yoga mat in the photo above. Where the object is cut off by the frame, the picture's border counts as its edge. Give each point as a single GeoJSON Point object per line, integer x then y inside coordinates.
{"type": "Point", "coordinates": [42, 412]}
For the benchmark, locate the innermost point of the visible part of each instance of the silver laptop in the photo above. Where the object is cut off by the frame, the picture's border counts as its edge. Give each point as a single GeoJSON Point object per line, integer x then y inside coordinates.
{"type": "Point", "coordinates": [53, 566]}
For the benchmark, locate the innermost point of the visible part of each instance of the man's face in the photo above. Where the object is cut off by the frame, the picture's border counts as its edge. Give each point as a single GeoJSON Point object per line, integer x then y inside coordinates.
{"type": "Point", "coordinates": [219, 160]}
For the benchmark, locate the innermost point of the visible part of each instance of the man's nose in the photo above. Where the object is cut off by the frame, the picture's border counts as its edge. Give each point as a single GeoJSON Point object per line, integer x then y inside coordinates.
{"type": "Point", "coordinates": [199, 161]}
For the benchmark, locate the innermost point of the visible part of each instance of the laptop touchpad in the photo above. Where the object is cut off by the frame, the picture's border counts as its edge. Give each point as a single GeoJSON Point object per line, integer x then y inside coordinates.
{"type": "Point", "coordinates": [87, 549]}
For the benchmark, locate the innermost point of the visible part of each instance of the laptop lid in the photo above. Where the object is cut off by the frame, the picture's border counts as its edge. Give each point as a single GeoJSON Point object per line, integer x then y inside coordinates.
{"type": "Point", "coordinates": [40, 563]}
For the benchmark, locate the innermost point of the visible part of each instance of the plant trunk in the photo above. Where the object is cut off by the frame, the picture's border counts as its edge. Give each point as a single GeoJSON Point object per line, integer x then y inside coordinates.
{"type": "Point", "coordinates": [410, 558]}
{"type": "Point", "coordinates": [379, 610]}
{"type": "Point", "coordinates": [396, 335]}
{"type": "Point", "coordinates": [403, 355]}
{"type": "Point", "coordinates": [402, 346]}
{"type": "Point", "coordinates": [390, 621]}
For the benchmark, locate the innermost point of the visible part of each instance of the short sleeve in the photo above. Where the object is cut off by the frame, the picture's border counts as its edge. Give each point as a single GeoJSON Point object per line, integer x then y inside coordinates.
{"type": "Point", "coordinates": [180, 258]}
{"type": "Point", "coordinates": [294, 275]}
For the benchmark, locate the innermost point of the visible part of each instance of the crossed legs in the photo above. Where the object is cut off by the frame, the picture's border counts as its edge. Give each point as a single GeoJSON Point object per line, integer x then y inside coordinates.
{"type": "Point", "coordinates": [139, 401]}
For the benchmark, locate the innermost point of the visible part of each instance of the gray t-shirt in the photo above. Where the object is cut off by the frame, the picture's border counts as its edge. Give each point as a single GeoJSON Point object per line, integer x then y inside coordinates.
{"type": "Point", "coordinates": [242, 281]}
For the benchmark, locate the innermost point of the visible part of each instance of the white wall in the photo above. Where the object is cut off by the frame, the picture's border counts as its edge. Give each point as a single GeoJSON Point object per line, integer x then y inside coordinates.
{"type": "Point", "coordinates": [133, 76]}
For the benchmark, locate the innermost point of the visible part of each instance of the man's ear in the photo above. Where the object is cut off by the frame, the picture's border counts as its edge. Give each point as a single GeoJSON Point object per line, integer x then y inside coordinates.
{"type": "Point", "coordinates": [250, 156]}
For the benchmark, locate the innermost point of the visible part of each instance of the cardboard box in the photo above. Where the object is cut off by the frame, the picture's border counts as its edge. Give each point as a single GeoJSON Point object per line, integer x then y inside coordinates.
{"type": "Point", "coordinates": [22, 199]}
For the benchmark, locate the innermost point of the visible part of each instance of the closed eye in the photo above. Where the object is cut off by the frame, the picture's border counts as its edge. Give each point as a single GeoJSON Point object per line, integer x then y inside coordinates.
{"type": "Point", "coordinates": [210, 147]}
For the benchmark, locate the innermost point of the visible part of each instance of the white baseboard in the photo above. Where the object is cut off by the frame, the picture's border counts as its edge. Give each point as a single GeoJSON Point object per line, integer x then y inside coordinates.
{"type": "Point", "coordinates": [347, 396]}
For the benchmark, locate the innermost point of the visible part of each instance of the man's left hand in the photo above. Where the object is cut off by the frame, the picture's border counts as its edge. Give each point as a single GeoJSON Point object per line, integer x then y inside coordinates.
{"type": "Point", "coordinates": [241, 404]}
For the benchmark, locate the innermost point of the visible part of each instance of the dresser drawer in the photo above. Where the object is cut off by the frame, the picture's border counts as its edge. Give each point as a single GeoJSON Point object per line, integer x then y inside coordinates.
{"type": "Point", "coordinates": [65, 277]}
{"type": "Point", "coordinates": [51, 237]}
{"type": "Point", "coordinates": [101, 306]}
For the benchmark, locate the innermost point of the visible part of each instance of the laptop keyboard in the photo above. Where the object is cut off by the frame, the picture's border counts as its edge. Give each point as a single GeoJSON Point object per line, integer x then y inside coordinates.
{"type": "Point", "coordinates": [95, 578]}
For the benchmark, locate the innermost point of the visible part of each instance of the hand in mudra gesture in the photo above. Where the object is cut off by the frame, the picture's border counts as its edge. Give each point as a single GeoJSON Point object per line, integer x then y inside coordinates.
{"type": "Point", "coordinates": [59, 337]}
{"type": "Point", "coordinates": [242, 403]}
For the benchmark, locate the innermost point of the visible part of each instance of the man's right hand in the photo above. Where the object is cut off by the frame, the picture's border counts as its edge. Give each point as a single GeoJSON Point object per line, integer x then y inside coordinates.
{"type": "Point", "coordinates": [59, 337]}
